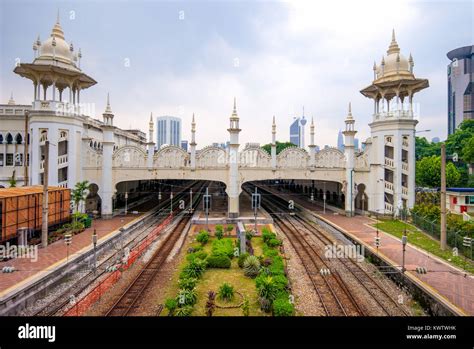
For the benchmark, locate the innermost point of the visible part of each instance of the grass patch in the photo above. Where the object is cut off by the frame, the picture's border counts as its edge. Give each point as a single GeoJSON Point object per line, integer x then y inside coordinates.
{"type": "Point", "coordinates": [423, 241]}
{"type": "Point", "coordinates": [212, 279]}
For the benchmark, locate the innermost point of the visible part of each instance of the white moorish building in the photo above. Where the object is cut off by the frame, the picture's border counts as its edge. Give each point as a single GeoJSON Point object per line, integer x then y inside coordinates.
{"type": "Point", "coordinates": [380, 179]}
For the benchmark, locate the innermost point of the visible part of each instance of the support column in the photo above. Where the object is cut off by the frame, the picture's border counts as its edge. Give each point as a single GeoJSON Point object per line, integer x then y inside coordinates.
{"type": "Point", "coordinates": [273, 146]}
{"type": "Point", "coordinates": [233, 185]}
{"type": "Point", "coordinates": [106, 183]}
{"type": "Point", "coordinates": [411, 170]}
{"type": "Point", "coordinates": [350, 193]}
{"type": "Point", "coordinates": [193, 145]}
{"type": "Point", "coordinates": [312, 147]}
{"type": "Point", "coordinates": [53, 135]}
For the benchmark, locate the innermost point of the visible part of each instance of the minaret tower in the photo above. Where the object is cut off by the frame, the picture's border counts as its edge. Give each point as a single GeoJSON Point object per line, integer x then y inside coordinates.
{"type": "Point", "coordinates": [349, 134]}
{"type": "Point", "coordinates": [193, 144]}
{"type": "Point", "coordinates": [392, 159]}
{"type": "Point", "coordinates": [106, 190]}
{"type": "Point", "coordinates": [150, 144]}
{"type": "Point", "coordinates": [233, 190]}
{"type": "Point", "coordinates": [312, 146]}
{"type": "Point", "coordinates": [273, 148]}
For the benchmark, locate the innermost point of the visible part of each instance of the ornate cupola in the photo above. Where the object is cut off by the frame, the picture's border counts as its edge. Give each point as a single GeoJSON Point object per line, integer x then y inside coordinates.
{"type": "Point", "coordinates": [108, 116]}
{"type": "Point", "coordinates": [150, 128]}
{"type": "Point", "coordinates": [234, 119]}
{"type": "Point", "coordinates": [394, 84]}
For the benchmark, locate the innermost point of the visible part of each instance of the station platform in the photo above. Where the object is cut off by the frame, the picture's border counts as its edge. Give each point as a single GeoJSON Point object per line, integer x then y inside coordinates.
{"type": "Point", "coordinates": [28, 270]}
{"type": "Point", "coordinates": [452, 284]}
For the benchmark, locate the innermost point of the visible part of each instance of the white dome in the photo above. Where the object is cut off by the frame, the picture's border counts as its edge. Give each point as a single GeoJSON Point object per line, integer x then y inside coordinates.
{"type": "Point", "coordinates": [394, 63]}
{"type": "Point", "coordinates": [60, 52]}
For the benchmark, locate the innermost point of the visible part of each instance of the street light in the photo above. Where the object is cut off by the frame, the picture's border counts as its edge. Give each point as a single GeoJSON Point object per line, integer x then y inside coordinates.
{"type": "Point", "coordinates": [404, 244]}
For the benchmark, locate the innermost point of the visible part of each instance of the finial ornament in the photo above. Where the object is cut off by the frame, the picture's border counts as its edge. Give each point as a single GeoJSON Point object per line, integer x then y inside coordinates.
{"type": "Point", "coordinates": [108, 110]}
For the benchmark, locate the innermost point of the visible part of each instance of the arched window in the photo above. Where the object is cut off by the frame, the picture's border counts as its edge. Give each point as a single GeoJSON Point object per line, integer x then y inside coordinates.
{"type": "Point", "coordinates": [95, 145]}
{"type": "Point", "coordinates": [1, 139]}
{"type": "Point", "coordinates": [18, 138]}
{"type": "Point", "coordinates": [9, 139]}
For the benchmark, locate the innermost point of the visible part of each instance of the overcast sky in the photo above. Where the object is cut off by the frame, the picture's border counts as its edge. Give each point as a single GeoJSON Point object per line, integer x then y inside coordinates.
{"type": "Point", "coordinates": [176, 58]}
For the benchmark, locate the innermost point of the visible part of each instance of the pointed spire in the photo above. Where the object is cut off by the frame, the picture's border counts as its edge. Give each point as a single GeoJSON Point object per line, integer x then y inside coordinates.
{"type": "Point", "coordinates": [11, 100]}
{"type": "Point", "coordinates": [108, 110]}
{"type": "Point", "coordinates": [234, 112]}
{"type": "Point", "coordinates": [312, 126]}
{"type": "Point", "coordinates": [57, 30]}
{"type": "Point", "coordinates": [151, 118]}
{"type": "Point", "coordinates": [38, 41]}
{"type": "Point", "coordinates": [273, 120]}
{"type": "Point", "coordinates": [375, 66]}
{"type": "Point", "coordinates": [393, 48]}
{"type": "Point", "coordinates": [349, 114]}
{"type": "Point", "coordinates": [193, 119]}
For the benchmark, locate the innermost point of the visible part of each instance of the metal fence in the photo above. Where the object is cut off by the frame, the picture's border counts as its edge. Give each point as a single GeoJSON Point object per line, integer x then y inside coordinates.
{"type": "Point", "coordinates": [454, 238]}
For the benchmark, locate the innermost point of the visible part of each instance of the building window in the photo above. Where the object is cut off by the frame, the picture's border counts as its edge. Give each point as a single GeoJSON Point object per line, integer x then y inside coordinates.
{"type": "Point", "coordinates": [9, 161]}
{"type": "Point", "coordinates": [1, 159]}
{"type": "Point", "coordinates": [9, 139]}
{"type": "Point", "coordinates": [19, 159]}
{"type": "Point", "coordinates": [470, 200]}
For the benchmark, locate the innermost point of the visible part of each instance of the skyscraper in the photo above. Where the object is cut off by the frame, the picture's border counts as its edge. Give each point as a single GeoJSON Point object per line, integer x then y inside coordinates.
{"type": "Point", "coordinates": [340, 141]}
{"type": "Point", "coordinates": [460, 86]}
{"type": "Point", "coordinates": [297, 131]}
{"type": "Point", "coordinates": [184, 145]}
{"type": "Point", "coordinates": [168, 131]}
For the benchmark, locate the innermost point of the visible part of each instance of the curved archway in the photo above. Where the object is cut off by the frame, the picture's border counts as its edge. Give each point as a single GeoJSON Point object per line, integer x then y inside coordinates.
{"type": "Point", "coordinates": [361, 199]}
{"type": "Point", "coordinates": [18, 139]}
{"type": "Point", "coordinates": [93, 200]}
{"type": "Point", "coordinates": [9, 138]}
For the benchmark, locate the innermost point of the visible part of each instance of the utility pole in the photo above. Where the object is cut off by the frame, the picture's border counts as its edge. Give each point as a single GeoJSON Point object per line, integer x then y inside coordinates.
{"type": "Point", "coordinates": [443, 197]}
{"type": "Point", "coordinates": [44, 227]}
{"type": "Point", "coordinates": [25, 153]}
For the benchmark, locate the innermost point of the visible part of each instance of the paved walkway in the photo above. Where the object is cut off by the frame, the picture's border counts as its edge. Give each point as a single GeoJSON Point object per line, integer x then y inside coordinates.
{"type": "Point", "coordinates": [28, 270]}
{"type": "Point", "coordinates": [447, 281]}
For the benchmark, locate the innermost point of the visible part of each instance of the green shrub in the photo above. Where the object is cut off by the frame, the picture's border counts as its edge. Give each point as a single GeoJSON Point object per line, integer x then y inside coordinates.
{"type": "Point", "coordinates": [195, 248]}
{"type": "Point", "coordinates": [202, 237]}
{"type": "Point", "coordinates": [199, 254]}
{"type": "Point", "coordinates": [218, 261]}
{"type": "Point", "coordinates": [251, 266]}
{"type": "Point", "coordinates": [267, 234]}
{"type": "Point", "coordinates": [277, 267]}
{"type": "Point", "coordinates": [187, 283]}
{"type": "Point", "coordinates": [171, 304]}
{"type": "Point", "coordinates": [283, 307]}
{"type": "Point", "coordinates": [274, 242]}
{"type": "Point", "coordinates": [249, 235]}
{"type": "Point", "coordinates": [242, 258]}
{"type": "Point", "coordinates": [184, 311]}
{"type": "Point", "coordinates": [245, 307]}
{"type": "Point", "coordinates": [194, 269]}
{"type": "Point", "coordinates": [268, 288]}
{"type": "Point", "coordinates": [223, 247]}
{"type": "Point", "coordinates": [219, 231]}
{"type": "Point", "coordinates": [281, 282]}
{"type": "Point", "coordinates": [229, 229]}
{"type": "Point", "coordinates": [186, 297]}
{"type": "Point", "coordinates": [226, 292]}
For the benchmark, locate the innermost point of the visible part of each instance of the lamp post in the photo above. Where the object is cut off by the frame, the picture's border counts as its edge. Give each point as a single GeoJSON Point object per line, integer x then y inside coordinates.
{"type": "Point", "coordinates": [404, 244]}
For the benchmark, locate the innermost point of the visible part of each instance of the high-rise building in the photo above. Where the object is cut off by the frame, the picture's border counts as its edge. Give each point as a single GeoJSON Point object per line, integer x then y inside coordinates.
{"type": "Point", "coordinates": [297, 131]}
{"type": "Point", "coordinates": [168, 131]}
{"type": "Point", "coordinates": [460, 86]}
{"type": "Point", "coordinates": [340, 141]}
{"type": "Point", "coordinates": [184, 145]}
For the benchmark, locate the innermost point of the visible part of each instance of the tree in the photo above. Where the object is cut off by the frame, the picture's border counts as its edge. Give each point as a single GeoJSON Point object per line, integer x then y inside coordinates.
{"type": "Point", "coordinates": [279, 147]}
{"type": "Point", "coordinates": [79, 193]}
{"type": "Point", "coordinates": [428, 173]}
{"type": "Point", "coordinates": [424, 148]}
{"type": "Point", "coordinates": [467, 154]}
{"type": "Point", "coordinates": [457, 140]}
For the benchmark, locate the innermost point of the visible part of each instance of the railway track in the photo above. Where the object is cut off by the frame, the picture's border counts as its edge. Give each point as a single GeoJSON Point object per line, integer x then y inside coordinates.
{"type": "Point", "coordinates": [336, 298]}
{"type": "Point", "coordinates": [129, 298]}
{"type": "Point", "coordinates": [55, 307]}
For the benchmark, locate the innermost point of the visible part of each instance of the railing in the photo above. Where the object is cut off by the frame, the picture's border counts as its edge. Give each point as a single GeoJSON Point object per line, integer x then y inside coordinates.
{"type": "Point", "coordinates": [404, 191]}
{"type": "Point", "coordinates": [62, 159]}
{"type": "Point", "coordinates": [405, 166]}
{"type": "Point", "coordinates": [41, 165]}
{"type": "Point", "coordinates": [389, 162]}
{"type": "Point", "coordinates": [389, 186]}
{"type": "Point", "coordinates": [62, 184]}
{"type": "Point", "coordinates": [388, 207]}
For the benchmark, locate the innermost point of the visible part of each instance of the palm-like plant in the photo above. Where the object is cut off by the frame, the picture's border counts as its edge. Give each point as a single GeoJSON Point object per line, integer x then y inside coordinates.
{"type": "Point", "coordinates": [251, 266]}
{"type": "Point", "coordinates": [79, 193]}
{"type": "Point", "coordinates": [226, 292]}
